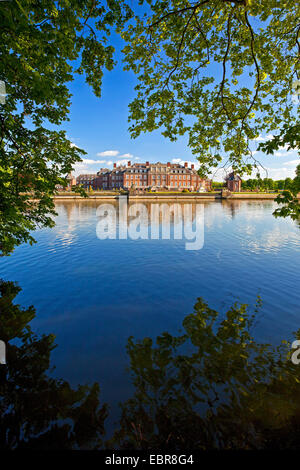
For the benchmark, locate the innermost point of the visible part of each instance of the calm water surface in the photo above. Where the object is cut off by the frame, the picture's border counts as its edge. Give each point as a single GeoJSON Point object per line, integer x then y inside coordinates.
{"type": "Point", "coordinates": [93, 294]}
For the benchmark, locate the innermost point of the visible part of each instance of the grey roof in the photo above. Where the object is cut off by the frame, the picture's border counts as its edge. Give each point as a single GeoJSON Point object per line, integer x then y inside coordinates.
{"type": "Point", "coordinates": [233, 177]}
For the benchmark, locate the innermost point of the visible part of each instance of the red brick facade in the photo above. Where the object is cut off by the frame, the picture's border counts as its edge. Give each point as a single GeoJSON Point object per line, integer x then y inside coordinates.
{"type": "Point", "coordinates": [148, 175]}
{"type": "Point", "coordinates": [234, 182]}
{"type": "Point", "coordinates": [86, 181]}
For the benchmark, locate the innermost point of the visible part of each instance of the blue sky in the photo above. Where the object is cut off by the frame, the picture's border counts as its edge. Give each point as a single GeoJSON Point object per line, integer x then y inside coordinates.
{"type": "Point", "coordinates": [100, 127]}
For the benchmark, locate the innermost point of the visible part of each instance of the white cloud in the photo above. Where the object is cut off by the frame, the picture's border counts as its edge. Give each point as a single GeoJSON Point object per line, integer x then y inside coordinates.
{"type": "Point", "coordinates": [86, 163]}
{"type": "Point", "coordinates": [266, 172]}
{"type": "Point", "coordinates": [108, 153]}
{"type": "Point", "coordinates": [293, 162]}
{"type": "Point", "coordinates": [124, 161]}
{"type": "Point", "coordinates": [80, 165]}
{"type": "Point", "coordinates": [126, 155]}
{"type": "Point", "coordinates": [73, 145]}
{"type": "Point", "coordinates": [182, 162]}
{"type": "Point", "coordinates": [79, 168]}
{"type": "Point", "coordinates": [261, 138]}
{"type": "Point", "coordinates": [116, 153]}
{"type": "Point", "coordinates": [281, 173]}
{"type": "Point", "coordinates": [285, 153]}
{"type": "Point", "coordinates": [89, 161]}
{"type": "Point", "coordinates": [85, 166]}
{"type": "Point", "coordinates": [118, 162]}
{"type": "Point", "coordinates": [274, 173]}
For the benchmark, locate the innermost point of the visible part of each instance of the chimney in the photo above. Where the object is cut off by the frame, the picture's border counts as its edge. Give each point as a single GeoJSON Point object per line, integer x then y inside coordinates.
{"type": "Point", "coordinates": [129, 163]}
{"type": "Point", "coordinates": [185, 165]}
{"type": "Point", "coordinates": [147, 163]}
{"type": "Point", "coordinates": [168, 164]}
{"type": "Point", "coordinates": [115, 165]}
{"type": "Point", "coordinates": [192, 165]}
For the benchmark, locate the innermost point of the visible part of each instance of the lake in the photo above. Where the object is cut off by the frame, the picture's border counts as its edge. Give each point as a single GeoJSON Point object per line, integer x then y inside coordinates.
{"type": "Point", "coordinates": [94, 293]}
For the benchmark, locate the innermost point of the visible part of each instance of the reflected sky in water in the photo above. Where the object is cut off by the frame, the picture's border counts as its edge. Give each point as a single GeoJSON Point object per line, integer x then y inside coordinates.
{"type": "Point", "coordinates": [93, 294]}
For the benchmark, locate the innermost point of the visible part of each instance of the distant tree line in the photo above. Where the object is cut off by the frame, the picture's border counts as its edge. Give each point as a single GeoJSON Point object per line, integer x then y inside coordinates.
{"type": "Point", "coordinates": [218, 184]}
{"type": "Point", "coordinates": [260, 184]}
{"type": "Point", "coordinates": [267, 184]}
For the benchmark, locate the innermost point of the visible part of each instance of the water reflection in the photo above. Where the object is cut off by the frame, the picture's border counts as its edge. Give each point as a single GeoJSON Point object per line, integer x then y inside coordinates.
{"type": "Point", "coordinates": [36, 410]}
{"type": "Point", "coordinates": [269, 240]}
{"type": "Point", "coordinates": [211, 386]}
{"type": "Point", "coordinates": [252, 208]}
{"type": "Point", "coordinates": [93, 294]}
{"type": "Point", "coordinates": [144, 221]}
{"type": "Point", "coordinates": [166, 220]}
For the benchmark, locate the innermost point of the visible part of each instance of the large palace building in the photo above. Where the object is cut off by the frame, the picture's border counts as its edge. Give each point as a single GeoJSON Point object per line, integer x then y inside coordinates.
{"type": "Point", "coordinates": [170, 176]}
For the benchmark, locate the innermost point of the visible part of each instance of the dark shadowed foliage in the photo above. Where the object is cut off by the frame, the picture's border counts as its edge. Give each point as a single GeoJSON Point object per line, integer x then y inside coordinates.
{"type": "Point", "coordinates": [211, 387]}
{"type": "Point", "coordinates": [38, 411]}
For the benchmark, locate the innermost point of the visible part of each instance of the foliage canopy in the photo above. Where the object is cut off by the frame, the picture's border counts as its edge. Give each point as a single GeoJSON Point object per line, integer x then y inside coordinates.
{"type": "Point", "coordinates": [43, 44]}
{"type": "Point", "coordinates": [220, 71]}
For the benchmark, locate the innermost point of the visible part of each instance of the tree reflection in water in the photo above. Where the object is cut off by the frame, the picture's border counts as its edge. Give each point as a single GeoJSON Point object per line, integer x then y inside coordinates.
{"type": "Point", "coordinates": [210, 387]}
{"type": "Point", "coordinates": [37, 410]}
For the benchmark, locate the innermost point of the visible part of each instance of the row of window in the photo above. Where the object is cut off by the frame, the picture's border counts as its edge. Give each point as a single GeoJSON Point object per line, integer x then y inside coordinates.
{"type": "Point", "coordinates": [176, 185]}
{"type": "Point", "coordinates": [158, 177]}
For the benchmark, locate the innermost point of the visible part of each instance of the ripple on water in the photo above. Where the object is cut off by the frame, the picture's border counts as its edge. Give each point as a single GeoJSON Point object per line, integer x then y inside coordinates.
{"type": "Point", "coordinates": [94, 293]}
